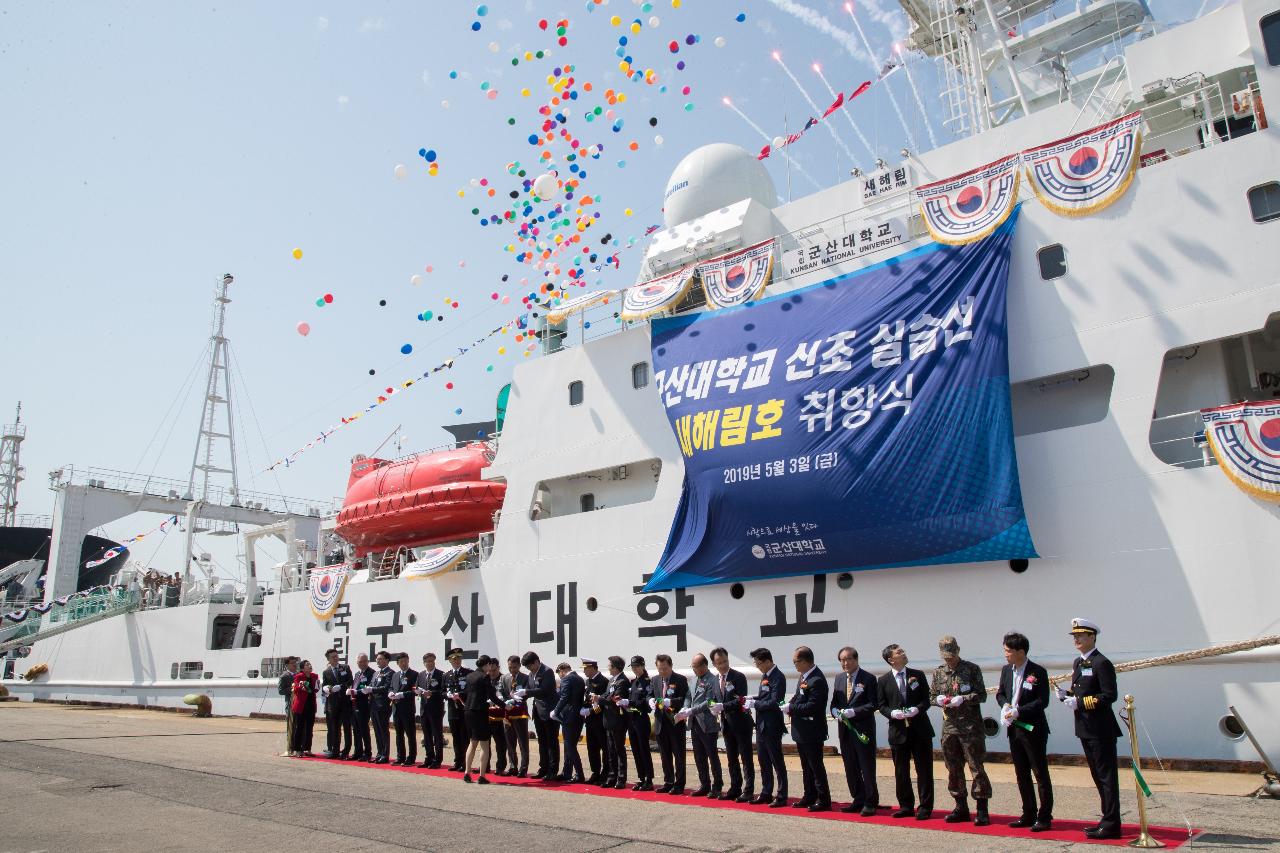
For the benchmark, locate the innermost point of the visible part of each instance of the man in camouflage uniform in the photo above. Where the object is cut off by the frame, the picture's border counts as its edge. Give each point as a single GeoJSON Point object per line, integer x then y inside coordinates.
{"type": "Point", "coordinates": [958, 690]}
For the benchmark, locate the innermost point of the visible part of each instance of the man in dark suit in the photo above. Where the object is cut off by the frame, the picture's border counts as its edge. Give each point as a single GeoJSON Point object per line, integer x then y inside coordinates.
{"type": "Point", "coordinates": [335, 681]}
{"type": "Point", "coordinates": [639, 726]}
{"type": "Point", "coordinates": [770, 727]}
{"type": "Point", "coordinates": [670, 694]}
{"type": "Point", "coordinates": [596, 685]}
{"type": "Point", "coordinates": [614, 717]}
{"type": "Point", "coordinates": [362, 678]}
{"type": "Point", "coordinates": [904, 701]}
{"type": "Point", "coordinates": [515, 720]}
{"type": "Point", "coordinates": [1023, 696]}
{"type": "Point", "coordinates": [738, 728]}
{"type": "Point", "coordinates": [570, 703]}
{"type": "Point", "coordinates": [378, 690]}
{"type": "Point", "coordinates": [542, 690]}
{"type": "Point", "coordinates": [430, 690]}
{"type": "Point", "coordinates": [402, 696]}
{"type": "Point", "coordinates": [285, 689]}
{"type": "Point", "coordinates": [704, 698]}
{"type": "Point", "coordinates": [854, 702]}
{"type": "Point", "coordinates": [808, 712]}
{"type": "Point", "coordinates": [1093, 692]}
{"type": "Point", "coordinates": [454, 692]}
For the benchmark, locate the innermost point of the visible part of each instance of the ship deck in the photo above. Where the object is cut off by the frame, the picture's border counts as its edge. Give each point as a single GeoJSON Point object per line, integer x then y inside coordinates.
{"type": "Point", "coordinates": [136, 779]}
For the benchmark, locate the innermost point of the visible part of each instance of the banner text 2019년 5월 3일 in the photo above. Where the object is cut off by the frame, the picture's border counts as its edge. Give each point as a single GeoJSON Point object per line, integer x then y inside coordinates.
{"type": "Point", "coordinates": [860, 423]}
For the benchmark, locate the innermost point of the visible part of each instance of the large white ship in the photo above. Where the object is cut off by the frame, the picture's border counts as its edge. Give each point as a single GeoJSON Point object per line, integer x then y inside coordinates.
{"type": "Point", "coordinates": [1122, 326]}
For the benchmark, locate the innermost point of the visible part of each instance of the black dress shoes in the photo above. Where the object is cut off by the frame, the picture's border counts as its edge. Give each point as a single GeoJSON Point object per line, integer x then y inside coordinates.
{"type": "Point", "coordinates": [1101, 834]}
{"type": "Point", "coordinates": [1021, 822]}
{"type": "Point", "coordinates": [663, 789]}
{"type": "Point", "coordinates": [643, 785]}
{"type": "Point", "coordinates": [701, 792]}
{"type": "Point", "coordinates": [676, 791]}
{"type": "Point", "coordinates": [778, 803]}
{"type": "Point", "coordinates": [483, 781]}
{"type": "Point", "coordinates": [744, 798]}
{"type": "Point", "coordinates": [761, 800]}
{"type": "Point", "coordinates": [868, 811]}
{"type": "Point", "coordinates": [852, 808]}
{"type": "Point", "coordinates": [900, 813]}
{"type": "Point", "coordinates": [1042, 826]}
{"type": "Point", "coordinates": [821, 806]}
{"type": "Point", "coordinates": [802, 803]}
{"type": "Point", "coordinates": [924, 814]}
{"type": "Point", "coordinates": [958, 816]}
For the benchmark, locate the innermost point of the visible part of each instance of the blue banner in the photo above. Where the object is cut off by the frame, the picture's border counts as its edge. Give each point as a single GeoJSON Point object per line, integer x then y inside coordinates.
{"type": "Point", "coordinates": [860, 423]}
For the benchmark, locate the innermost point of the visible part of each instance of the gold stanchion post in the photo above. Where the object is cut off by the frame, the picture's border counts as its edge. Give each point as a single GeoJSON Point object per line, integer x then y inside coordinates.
{"type": "Point", "coordinates": [1144, 838]}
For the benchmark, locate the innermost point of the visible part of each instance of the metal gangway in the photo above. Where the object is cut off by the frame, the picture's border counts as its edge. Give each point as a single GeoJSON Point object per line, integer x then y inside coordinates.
{"type": "Point", "coordinates": [76, 613]}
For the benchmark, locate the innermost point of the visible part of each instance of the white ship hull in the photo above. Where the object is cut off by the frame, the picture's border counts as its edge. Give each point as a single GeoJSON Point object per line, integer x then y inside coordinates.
{"type": "Point", "coordinates": [1165, 558]}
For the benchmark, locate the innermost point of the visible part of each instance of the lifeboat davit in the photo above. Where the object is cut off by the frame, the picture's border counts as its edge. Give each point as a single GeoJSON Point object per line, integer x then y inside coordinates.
{"type": "Point", "coordinates": [422, 500]}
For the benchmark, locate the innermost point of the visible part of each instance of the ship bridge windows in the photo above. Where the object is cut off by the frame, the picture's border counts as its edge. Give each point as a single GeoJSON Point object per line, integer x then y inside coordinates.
{"type": "Point", "coordinates": [1053, 262]}
{"type": "Point", "coordinates": [1270, 26]}
{"type": "Point", "coordinates": [593, 491]}
{"type": "Point", "coordinates": [575, 392]}
{"type": "Point", "coordinates": [1264, 201]}
{"type": "Point", "coordinates": [1061, 401]}
{"type": "Point", "coordinates": [1245, 367]}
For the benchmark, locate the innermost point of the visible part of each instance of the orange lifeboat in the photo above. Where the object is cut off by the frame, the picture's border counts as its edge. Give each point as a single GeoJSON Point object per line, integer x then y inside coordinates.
{"type": "Point", "coordinates": [423, 500]}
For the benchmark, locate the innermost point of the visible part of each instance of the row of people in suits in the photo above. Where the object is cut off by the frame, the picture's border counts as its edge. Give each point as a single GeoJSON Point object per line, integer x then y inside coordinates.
{"type": "Point", "coordinates": [616, 708]}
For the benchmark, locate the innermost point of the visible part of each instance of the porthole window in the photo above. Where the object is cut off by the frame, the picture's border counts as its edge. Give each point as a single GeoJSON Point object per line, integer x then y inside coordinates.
{"type": "Point", "coordinates": [844, 580]}
{"type": "Point", "coordinates": [640, 374]}
{"type": "Point", "coordinates": [1264, 200]}
{"type": "Point", "coordinates": [592, 604]}
{"type": "Point", "coordinates": [1271, 37]}
{"type": "Point", "coordinates": [575, 392]}
{"type": "Point", "coordinates": [737, 591]}
{"type": "Point", "coordinates": [1018, 565]}
{"type": "Point", "coordinates": [1053, 262]}
{"type": "Point", "coordinates": [588, 502]}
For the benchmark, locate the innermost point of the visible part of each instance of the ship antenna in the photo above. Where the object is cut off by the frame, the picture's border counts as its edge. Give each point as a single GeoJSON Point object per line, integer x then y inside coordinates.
{"type": "Point", "coordinates": [11, 471]}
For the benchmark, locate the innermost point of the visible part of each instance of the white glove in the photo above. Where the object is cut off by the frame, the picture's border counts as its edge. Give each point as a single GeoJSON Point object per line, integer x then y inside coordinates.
{"type": "Point", "coordinates": [325, 690]}
{"type": "Point", "coordinates": [942, 701]}
{"type": "Point", "coordinates": [554, 717]}
{"type": "Point", "coordinates": [682, 714]}
{"type": "Point", "coordinates": [624, 703]}
{"type": "Point", "coordinates": [351, 691]}
{"type": "Point", "coordinates": [1071, 702]}
{"type": "Point", "coordinates": [786, 709]}
{"type": "Point", "coordinates": [749, 705]}
{"type": "Point", "coordinates": [1062, 694]}
{"type": "Point", "coordinates": [366, 690]}
{"type": "Point", "coordinates": [510, 703]}
{"type": "Point", "coordinates": [584, 713]}
{"type": "Point", "coordinates": [653, 704]}
{"type": "Point", "coordinates": [419, 691]}
{"type": "Point", "coordinates": [1012, 713]}
{"type": "Point", "coordinates": [898, 714]}
{"type": "Point", "coordinates": [521, 692]}
{"type": "Point", "coordinates": [717, 710]}
{"type": "Point", "coordinates": [848, 713]}
{"type": "Point", "coordinates": [395, 697]}
{"type": "Point", "coordinates": [956, 701]}
{"type": "Point", "coordinates": [912, 711]}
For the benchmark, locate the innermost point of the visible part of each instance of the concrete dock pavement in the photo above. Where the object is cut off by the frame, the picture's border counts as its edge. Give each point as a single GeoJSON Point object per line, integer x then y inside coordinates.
{"type": "Point", "coordinates": [98, 779]}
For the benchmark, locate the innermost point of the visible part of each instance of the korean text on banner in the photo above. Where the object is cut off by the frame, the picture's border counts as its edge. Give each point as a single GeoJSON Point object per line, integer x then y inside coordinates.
{"type": "Point", "coordinates": [860, 423]}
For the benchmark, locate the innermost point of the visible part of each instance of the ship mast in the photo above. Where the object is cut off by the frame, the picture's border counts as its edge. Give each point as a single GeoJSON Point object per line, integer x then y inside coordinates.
{"type": "Point", "coordinates": [11, 471]}
{"type": "Point", "coordinates": [217, 431]}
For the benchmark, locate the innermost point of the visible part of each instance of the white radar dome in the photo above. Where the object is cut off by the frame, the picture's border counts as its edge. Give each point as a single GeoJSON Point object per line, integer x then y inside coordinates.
{"type": "Point", "coordinates": [712, 177]}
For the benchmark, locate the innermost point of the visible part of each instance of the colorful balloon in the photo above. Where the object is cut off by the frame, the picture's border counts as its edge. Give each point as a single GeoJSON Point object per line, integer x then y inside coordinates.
{"type": "Point", "coordinates": [401, 171]}
{"type": "Point", "coordinates": [304, 329]}
{"type": "Point", "coordinates": [297, 254]}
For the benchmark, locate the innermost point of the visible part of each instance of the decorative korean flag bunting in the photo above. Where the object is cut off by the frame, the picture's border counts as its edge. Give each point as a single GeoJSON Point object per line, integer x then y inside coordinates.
{"type": "Point", "coordinates": [968, 207]}
{"type": "Point", "coordinates": [434, 562]}
{"type": "Point", "coordinates": [656, 294]}
{"type": "Point", "coordinates": [1084, 173]}
{"type": "Point", "coordinates": [578, 303]}
{"type": "Point", "coordinates": [738, 277]}
{"type": "Point", "coordinates": [1245, 439]}
{"type": "Point", "coordinates": [326, 587]}
{"type": "Point", "coordinates": [107, 557]}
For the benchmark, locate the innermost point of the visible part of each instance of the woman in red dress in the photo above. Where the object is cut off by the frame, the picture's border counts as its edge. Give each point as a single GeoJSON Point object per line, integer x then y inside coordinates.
{"type": "Point", "coordinates": [305, 686]}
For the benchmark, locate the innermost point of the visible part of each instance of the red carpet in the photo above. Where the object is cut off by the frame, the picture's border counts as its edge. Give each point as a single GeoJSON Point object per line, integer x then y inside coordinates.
{"type": "Point", "coordinates": [1063, 830]}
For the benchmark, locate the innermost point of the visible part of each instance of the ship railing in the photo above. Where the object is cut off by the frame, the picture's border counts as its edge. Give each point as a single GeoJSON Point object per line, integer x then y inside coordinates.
{"type": "Point", "coordinates": [33, 520]}
{"type": "Point", "coordinates": [1179, 440]}
{"type": "Point", "coordinates": [490, 440]}
{"type": "Point", "coordinates": [161, 487]}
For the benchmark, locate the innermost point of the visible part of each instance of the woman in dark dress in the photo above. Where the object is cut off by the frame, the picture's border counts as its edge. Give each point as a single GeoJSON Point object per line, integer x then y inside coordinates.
{"type": "Point", "coordinates": [305, 685]}
{"type": "Point", "coordinates": [479, 693]}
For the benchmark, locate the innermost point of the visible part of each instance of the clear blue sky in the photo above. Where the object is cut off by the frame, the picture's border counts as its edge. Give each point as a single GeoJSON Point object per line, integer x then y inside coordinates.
{"type": "Point", "coordinates": [149, 147]}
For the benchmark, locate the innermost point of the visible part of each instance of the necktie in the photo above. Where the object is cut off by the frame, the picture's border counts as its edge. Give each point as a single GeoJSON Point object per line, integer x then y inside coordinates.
{"type": "Point", "coordinates": [722, 685]}
{"type": "Point", "coordinates": [902, 684]}
{"type": "Point", "coordinates": [848, 687]}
